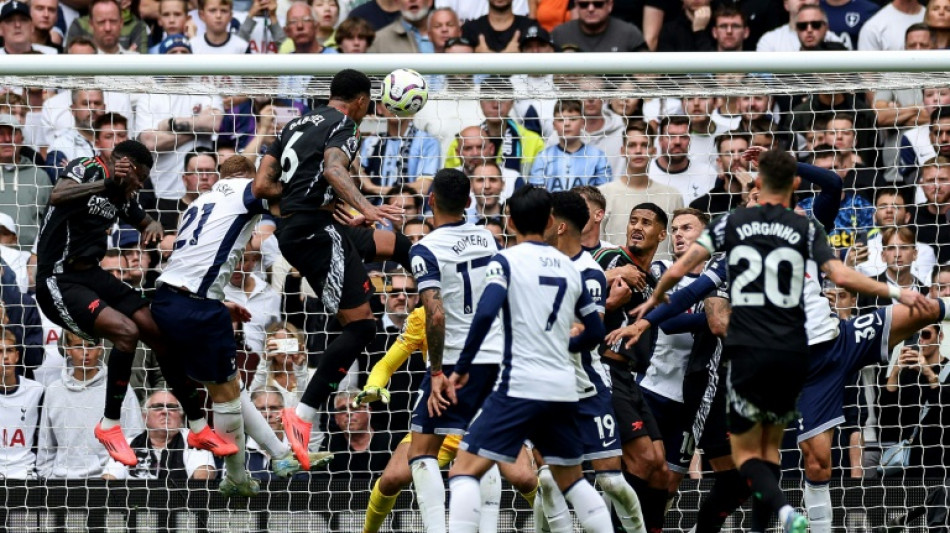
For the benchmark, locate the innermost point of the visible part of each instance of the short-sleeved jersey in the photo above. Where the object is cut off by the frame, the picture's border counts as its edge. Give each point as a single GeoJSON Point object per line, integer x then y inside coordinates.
{"type": "Point", "coordinates": [212, 235]}
{"type": "Point", "coordinates": [639, 355]}
{"type": "Point", "coordinates": [300, 148]}
{"type": "Point", "coordinates": [668, 365]}
{"type": "Point", "coordinates": [821, 323]}
{"type": "Point", "coordinates": [79, 229]}
{"type": "Point", "coordinates": [544, 294]}
{"type": "Point", "coordinates": [591, 375]}
{"type": "Point", "coordinates": [767, 248]}
{"type": "Point", "coordinates": [20, 416]}
{"type": "Point", "coordinates": [453, 258]}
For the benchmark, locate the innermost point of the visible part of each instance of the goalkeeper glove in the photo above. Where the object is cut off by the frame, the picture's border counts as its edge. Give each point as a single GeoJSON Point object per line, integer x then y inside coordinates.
{"type": "Point", "coordinates": [371, 393]}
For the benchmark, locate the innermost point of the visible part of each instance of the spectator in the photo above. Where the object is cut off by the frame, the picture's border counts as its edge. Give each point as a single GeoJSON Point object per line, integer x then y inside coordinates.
{"type": "Point", "coordinates": [110, 129]}
{"type": "Point", "coordinates": [811, 25]}
{"type": "Point", "coordinates": [43, 14]}
{"type": "Point", "coordinates": [847, 17]}
{"type": "Point", "coordinates": [926, 141]}
{"type": "Point", "coordinates": [633, 186]}
{"type": "Point", "coordinates": [356, 447]}
{"type": "Point", "coordinates": [535, 113]}
{"type": "Point", "coordinates": [702, 130]}
{"type": "Point", "coordinates": [734, 179]}
{"type": "Point", "coordinates": [303, 30]}
{"type": "Point", "coordinates": [67, 447]}
{"type": "Point", "coordinates": [673, 166]}
{"type": "Point", "coordinates": [443, 25]}
{"type": "Point", "coordinates": [405, 198]}
{"type": "Point", "coordinates": [817, 108]}
{"type": "Point", "coordinates": [937, 18]}
{"type": "Point", "coordinates": [931, 220]}
{"type": "Point", "coordinates": [173, 20]}
{"type": "Point", "coordinates": [87, 106]}
{"type": "Point", "coordinates": [135, 260]}
{"type": "Point", "coordinates": [200, 174]}
{"type": "Point", "coordinates": [885, 30]}
{"type": "Point", "coordinates": [784, 38]}
{"type": "Point", "coordinates": [24, 188]}
{"type": "Point", "coordinates": [602, 127]}
{"type": "Point", "coordinates": [14, 259]}
{"type": "Point", "coordinates": [595, 30]}
{"type": "Point", "coordinates": [469, 10]}
{"type": "Point", "coordinates": [173, 125]}
{"type": "Point", "coordinates": [354, 36]}
{"type": "Point", "coordinates": [552, 13]}
{"type": "Point", "coordinates": [416, 228]}
{"type": "Point", "coordinates": [162, 449]}
{"type": "Point", "coordinates": [283, 365]}
{"type": "Point", "coordinates": [261, 27]}
{"type": "Point", "coordinates": [899, 253]}
{"type": "Point", "coordinates": [248, 289]}
{"type": "Point", "coordinates": [487, 188]}
{"type": "Point", "coordinates": [889, 211]}
{"type": "Point", "coordinates": [409, 34]}
{"type": "Point", "coordinates": [114, 30]}
{"type": "Point", "coordinates": [729, 29]}
{"type": "Point", "coordinates": [327, 15]}
{"type": "Point", "coordinates": [217, 37]}
{"type": "Point", "coordinates": [378, 13]}
{"type": "Point", "coordinates": [16, 105]}
{"type": "Point", "coordinates": [20, 404]}
{"type": "Point", "coordinates": [855, 214]}
{"type": "Point", "coordinates": [913, 380]}
{"type": "Point", "coordinates": [688, 32]}
{"type": "Point", "coordinates": [16, 29]}
{"type": "Point", "coordinates": [497, 227]}
{"type": "Point", "coordinates": [571, 162]}
{"type": "Point", "coordinates": [840, 135]}
{"type": "Point", "coordinates": [403, 154]}
{"type": "Point", "coordinates": [498, 31]}
{"type": "Point", "coordinates": [270, 403]}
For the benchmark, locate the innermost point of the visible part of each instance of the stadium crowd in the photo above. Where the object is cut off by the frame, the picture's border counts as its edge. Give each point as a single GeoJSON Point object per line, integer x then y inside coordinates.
{"type": "Point", "coordinates": [890, 151]}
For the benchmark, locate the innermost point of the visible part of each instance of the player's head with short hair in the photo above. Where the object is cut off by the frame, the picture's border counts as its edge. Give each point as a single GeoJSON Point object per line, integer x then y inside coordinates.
{"type": "Point", "coordinates": [450, 192]}
{"type": "Point", "coordinates": [592, 195]}
{"type": "Point", "coordinates": [352, 87]}
{"type": "Point", "coordinates": [237, 166]}
{"type": "Point", "coordinates": [134, 150]}
{"type": "Point", "coordinates": [570, 208]}
{"type": "Point", "coordinates": [777, 169]}
{"type": "Point", "coordinates": [530, 210]}
{"type": "Point", "coordinates": [686, 225]}
{"type": "Point", "coordinates": [646, 228]}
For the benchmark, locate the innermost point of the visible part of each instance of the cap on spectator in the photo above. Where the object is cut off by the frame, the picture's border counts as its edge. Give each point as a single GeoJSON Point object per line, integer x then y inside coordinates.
{"type": "Point", "coordinates": [536, 33]}
{"type": "Point", "coordinates": [9, 120]}
{"type": "Point", "coordinates": [124, 236]}
{"type": "Point", "coordinates": [7, 223]}
{"type": "Point", "coordinates": [12, 8]}
{"type": "Point", "coordinates": [174, 41]}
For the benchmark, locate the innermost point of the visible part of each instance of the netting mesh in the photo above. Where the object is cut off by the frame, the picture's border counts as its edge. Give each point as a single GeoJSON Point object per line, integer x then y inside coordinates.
{"type": "Point", "coordinates": [877, 131]}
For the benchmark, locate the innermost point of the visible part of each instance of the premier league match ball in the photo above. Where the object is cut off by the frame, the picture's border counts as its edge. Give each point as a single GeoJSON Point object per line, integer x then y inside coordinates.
{"type": "Point", "coordinates": [405, 92]}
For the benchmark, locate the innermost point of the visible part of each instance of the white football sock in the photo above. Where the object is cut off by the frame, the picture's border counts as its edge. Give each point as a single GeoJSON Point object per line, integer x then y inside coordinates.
{"type": "Point", "coordinates": [818, 505]}
{"type": "Point", "coordinates": [555, 506]}
{"type": "Point", "coordinates": [306, 412]}
{"type": "Point", "coordinates": [256, 427]}
{"type": "Point", "coordinates": [465, 506]}
{"type": "Point", "coordinates": [490, 486]}
{"type": "Point", "coordinates": [589, 507]}
{"type": "Point", "coordinates": [624, 500]}
{"type": "Point", "coordinates": [229, 425]}
{"type": "Point", "coordinates": [430, 493]}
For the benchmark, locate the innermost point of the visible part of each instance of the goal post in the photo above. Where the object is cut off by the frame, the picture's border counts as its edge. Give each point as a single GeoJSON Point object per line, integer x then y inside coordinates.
{"type": "Point", "coordinates": [865, 115]}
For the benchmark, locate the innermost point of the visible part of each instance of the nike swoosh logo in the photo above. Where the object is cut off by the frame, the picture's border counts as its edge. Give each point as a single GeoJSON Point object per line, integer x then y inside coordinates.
{"type": "Point", "coordinates": [608, 443]}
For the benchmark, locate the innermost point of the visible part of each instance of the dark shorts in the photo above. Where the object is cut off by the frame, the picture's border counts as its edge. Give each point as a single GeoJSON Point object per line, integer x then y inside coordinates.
{"type": "Point", "coordinates": [598, 426]}
{"type": "Point", "coordinates": [455, 419]}
{"type": "Point", "coordinates": [861, 341]}
{"type": "Point", "coordinates": [676, 427]}
{"type": "Point", "coordinates": [504, 423]}
{"type": "Point", "coordinates": [73, 300]}
{"type": "Point", "coordinates": [330, 256]}
{"type": "Point", "coordinates": [199, 333]}
{"type": "Point", "coordinates": [763, 385]}
{"type": "Point", "coordinates": [633, 416]}
{"type": "Point", "coordinates": [704, 395]}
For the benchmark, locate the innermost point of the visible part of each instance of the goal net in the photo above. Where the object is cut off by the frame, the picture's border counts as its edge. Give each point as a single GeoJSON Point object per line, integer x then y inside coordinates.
{"type": "Point", "coordinates": [634, 135]}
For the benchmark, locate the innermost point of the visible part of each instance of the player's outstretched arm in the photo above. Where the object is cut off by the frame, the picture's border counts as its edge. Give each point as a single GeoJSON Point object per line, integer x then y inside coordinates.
{"type": "Point", "coordinates": [267, 184]}
{"type": "Point", "coordinates": [336, 170]}
{"type": "Point", "coordinates": [68, 190]}
{"type": "Point", "coordinates": [594, 329]}
{"type": "Point", "coordinates": [847, 278]}
{"type": "Point", "coordinates": [696, 255]}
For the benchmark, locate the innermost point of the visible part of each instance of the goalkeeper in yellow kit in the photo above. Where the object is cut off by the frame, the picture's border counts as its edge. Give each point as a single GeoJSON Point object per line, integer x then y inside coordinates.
{"type": "Point", "coordinates": [396, 476]}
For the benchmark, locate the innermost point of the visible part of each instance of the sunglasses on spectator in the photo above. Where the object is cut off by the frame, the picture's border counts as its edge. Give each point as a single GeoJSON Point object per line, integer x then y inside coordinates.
{"type": "Point", "coordinates": [813, 24]}
{"type": "Point", "coordinates": [458, 41]}
{"type": "Point", "coordinates": [164, 407]}
{"type": "Point", "coordinates": [596, 4]}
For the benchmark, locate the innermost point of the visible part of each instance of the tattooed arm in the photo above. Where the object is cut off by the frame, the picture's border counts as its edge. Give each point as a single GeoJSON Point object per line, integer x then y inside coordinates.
{"type": "Point", "coordinates": [267, 183]}
{"type": "Point", "coordinates": [717, 315]}
{"type": "Point", "coordinates": [336, 166]}
{"type": "Point", "coordinates": [442, 390]}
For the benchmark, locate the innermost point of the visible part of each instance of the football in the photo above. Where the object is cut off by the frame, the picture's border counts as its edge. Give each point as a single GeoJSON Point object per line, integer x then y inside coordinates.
{"type": "Point", "coordinates": [405, 92]}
